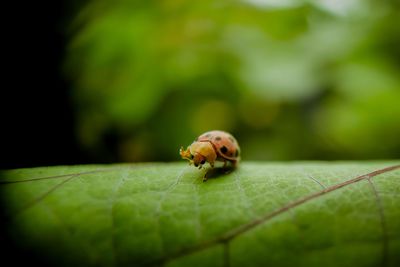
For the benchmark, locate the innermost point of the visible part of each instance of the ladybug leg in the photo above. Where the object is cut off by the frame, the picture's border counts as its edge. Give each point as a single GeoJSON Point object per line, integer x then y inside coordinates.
{"type": "Point", "coordinates": [234, 164]}
{"type": "Point", "coordinates": [225, 162]}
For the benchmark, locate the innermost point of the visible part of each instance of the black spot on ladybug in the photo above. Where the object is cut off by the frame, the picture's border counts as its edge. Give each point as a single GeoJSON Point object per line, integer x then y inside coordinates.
{"type": "Point", "coordinates": [203, 161]}
{"type": "Point", "coordinates": [218, 138]}
{"type": "Point", "coordinates": [224, 149]}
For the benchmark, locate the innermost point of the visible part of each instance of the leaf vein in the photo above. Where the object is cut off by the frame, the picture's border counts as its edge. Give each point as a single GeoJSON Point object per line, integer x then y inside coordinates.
{"type": "Point", "coordinates": [55, 176]}
{"type": "Point", "coordinates": [161, 201]}
{"type": "Point", "coordinates": [382, 220]}
{"type": "Point", "coordinates": [228, 236]}
{"type": "Point", "coordinates": [247, 201]}
{"type": "Point", "coordinates": [315, 180]}
{"type": "Point", "coordinates": [44, 195]}
{"type": "Point", "coordinates": [114, 195]}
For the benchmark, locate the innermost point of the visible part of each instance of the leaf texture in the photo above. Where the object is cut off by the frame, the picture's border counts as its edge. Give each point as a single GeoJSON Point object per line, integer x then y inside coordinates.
{"type": "Point", "coordinates": [162, 214]}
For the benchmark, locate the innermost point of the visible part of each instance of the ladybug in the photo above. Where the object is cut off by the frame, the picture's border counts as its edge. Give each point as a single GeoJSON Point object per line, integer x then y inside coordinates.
{"type": "Point", "coordinates": [210, 147]}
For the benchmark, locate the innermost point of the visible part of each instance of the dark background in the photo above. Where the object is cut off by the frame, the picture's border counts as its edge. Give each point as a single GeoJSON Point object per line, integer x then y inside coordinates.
{"type": "Point", "coordinates": [37, 120]}
{"type": "Point", "coordinates": [37, 116]}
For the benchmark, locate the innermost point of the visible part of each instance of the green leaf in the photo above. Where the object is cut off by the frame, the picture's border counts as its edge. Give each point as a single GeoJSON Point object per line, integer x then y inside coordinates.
{"type": "Point", "coordinates": [262, 214]}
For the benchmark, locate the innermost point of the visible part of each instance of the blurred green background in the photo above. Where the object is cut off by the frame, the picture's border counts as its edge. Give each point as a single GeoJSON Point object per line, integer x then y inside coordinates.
{"type": "Point", "coordinates": [292, 80]}
{"type": "Point", "coordinates": [124, 81]}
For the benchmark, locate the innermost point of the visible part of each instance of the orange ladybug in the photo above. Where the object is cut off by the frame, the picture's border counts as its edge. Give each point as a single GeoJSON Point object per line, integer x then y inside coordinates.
{"type": "Point", "coordinates": [210, 147]}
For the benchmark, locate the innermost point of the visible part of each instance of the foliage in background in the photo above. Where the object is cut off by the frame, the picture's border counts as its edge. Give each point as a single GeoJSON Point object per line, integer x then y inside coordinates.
{"type": "Point", "coordinates": [290, 79]}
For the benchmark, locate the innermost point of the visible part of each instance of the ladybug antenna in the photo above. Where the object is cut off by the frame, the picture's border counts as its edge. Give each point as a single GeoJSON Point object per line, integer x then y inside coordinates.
{"type": "Point", "coordinates": [185, 154]}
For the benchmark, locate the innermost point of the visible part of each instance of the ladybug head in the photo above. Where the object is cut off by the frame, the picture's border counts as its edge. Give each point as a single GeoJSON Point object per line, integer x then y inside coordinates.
{"type": "Point", "coordinates": [198, 159]}
{"type": "Point", "coordinates": [193, 156]}
{"type": "Point", "coordinates": [199, 153]}
{"type": "Point", "coordinates": [202, 152]}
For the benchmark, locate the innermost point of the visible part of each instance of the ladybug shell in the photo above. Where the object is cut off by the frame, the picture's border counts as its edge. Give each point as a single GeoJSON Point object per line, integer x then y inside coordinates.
{"type": "Point", "coordinates": [225, 144]}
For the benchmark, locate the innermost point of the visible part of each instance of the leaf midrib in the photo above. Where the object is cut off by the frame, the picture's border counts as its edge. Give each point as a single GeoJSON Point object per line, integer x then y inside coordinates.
{"type": "Point", "coordinates": [229, 235]}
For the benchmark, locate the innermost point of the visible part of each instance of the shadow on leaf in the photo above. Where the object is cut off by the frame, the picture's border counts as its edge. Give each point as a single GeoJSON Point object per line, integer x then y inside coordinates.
{"type": "Point", "coordinates": [215, 173]}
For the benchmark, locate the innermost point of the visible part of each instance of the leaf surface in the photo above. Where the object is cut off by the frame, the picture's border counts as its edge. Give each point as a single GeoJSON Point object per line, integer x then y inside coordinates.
{"type": "Point", "coordinates": [155, 214]}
